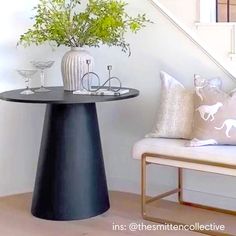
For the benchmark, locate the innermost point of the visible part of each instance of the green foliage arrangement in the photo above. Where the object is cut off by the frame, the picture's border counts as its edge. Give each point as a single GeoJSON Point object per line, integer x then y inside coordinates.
{"type": "Point", "coordinates": [62, 22]}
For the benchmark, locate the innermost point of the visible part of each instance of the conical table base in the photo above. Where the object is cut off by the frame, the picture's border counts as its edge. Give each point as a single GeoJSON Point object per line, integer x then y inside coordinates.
{"type": "Point", "coordinates": [70, 182]}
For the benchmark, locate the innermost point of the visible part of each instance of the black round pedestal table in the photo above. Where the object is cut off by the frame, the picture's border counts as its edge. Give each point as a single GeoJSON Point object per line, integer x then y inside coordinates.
{"type": "Point", "coordinates": [71, 181]}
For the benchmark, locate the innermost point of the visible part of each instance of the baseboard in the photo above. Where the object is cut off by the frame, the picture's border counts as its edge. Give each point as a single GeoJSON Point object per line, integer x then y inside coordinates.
{"type": "Point", "coordinates": [210, 199]}
{"type": "Point", "coordinates": [124, 185]}
{"type": "Point", "coordinates": [11, 193]}
{"type": "Point", "coordinates": [133, 186]}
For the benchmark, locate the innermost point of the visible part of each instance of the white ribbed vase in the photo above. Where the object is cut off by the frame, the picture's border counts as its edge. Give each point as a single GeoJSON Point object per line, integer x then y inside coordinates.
{"type": "Point", "coordinates": [74, 66]}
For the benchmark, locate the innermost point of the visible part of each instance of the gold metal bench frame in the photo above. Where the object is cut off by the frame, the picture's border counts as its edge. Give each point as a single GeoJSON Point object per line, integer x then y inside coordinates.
{"type": "Point", "coordinates": [179, 190]}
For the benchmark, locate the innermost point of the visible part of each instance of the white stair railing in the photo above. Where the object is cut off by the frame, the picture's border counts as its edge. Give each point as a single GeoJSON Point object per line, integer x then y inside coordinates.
{"type": "Point", "coordinates": [191, 36]}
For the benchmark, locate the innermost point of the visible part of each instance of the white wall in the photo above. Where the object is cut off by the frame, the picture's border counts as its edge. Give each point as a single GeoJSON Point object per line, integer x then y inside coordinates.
{"type": "Point", "coordinates": [158, 47]}
{"type": "Point", "coordinates": [188, 11]}
{"type": "Point", "coordinates": [208, 11]}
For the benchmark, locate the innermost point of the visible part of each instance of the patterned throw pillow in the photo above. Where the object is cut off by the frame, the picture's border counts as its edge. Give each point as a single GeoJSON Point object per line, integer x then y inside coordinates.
{"type": "Point", "coordinates": [214, 117]}
{"type": "Point", "coordinates": [175, 113]}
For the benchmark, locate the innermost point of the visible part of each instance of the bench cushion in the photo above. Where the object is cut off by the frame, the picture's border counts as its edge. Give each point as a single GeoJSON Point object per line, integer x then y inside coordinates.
{"type": "Point", "coordinates": [176, 148]}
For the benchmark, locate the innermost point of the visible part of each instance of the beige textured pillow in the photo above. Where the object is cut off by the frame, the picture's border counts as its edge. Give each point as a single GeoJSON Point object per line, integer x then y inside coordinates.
{"type": "Point", "coordinates": [175, 113]}
{"type": "Point", "coordinates": [214, 118]}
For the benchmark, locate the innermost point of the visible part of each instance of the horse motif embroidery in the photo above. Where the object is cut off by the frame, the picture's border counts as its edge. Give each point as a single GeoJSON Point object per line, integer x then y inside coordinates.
{"type": "Point", "coordinates": [229, 124]}
{"type": "Point", "coordinates": [201, 83]}
{"type": "Point", "coordinates": [198, 92]}
{"type": "Point", "coordinates": [210, 111]}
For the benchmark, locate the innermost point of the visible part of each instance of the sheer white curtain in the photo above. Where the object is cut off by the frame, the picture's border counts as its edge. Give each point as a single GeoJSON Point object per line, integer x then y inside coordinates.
{"type": "Point", "coordinates": [207, 11]}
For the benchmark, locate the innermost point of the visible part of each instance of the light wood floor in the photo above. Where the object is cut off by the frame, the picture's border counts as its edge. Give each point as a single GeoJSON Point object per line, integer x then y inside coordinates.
{"type": "Point", "coordinates": [16, 220]}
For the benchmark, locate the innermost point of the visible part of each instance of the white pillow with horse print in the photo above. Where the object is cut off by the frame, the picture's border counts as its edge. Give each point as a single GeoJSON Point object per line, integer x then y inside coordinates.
{"type": "Point", "coordinates": [175, 113]}
{"type": "Point", "coordinates": [214, 118]}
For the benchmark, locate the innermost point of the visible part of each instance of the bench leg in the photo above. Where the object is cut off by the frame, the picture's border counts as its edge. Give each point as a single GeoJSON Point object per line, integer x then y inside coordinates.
{"type": "Point", "coordinates": [145, 200]}
{"type": "Point", "coordinates": [180, 185]}
{"type": "Point", "coordinates": [143, 187]}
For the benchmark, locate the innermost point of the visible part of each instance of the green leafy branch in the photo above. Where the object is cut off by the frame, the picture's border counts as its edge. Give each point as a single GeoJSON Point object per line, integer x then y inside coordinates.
{"type": "Point", "coordinates": [63, 23]}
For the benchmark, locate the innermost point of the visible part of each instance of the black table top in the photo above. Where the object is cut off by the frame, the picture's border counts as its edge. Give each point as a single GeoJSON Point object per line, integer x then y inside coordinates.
{"type": "Point", "coordinates": [57, 95]}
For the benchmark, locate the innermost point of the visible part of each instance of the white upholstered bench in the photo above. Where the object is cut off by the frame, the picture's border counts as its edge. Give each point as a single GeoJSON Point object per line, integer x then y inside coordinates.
{"type": "Point", "coordinates": [172, 152]}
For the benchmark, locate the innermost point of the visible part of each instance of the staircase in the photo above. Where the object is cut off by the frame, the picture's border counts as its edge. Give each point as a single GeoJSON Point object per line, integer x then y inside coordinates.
{"type": "Point", "coordinates": [216, 40]}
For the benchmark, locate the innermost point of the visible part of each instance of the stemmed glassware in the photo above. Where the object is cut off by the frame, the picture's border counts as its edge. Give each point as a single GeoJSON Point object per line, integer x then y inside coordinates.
{"type": "Point", "coordinates": [42, 66]}
{"type": "Point", "coordinates": [26, 74]}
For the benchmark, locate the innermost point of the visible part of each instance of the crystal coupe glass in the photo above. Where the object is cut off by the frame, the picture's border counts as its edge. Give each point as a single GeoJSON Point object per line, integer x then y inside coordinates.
{"type": "Point", "coordinates": [42, 66]}
{"type": "Point", "coordinates": [26, 74]}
